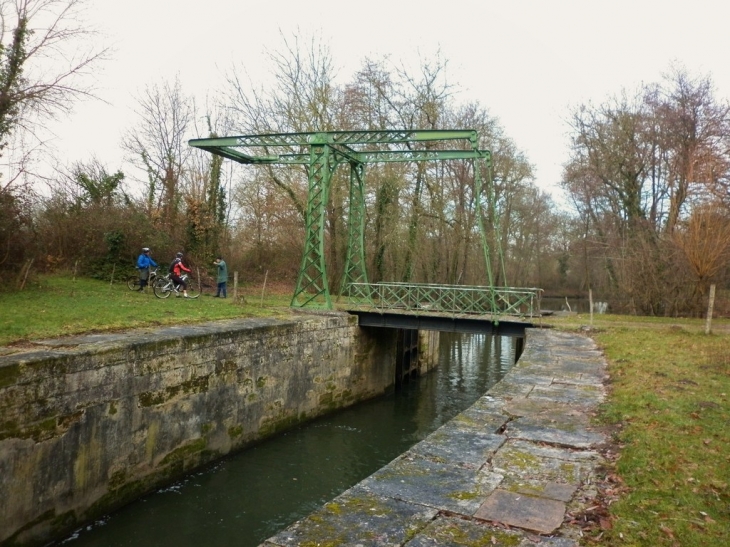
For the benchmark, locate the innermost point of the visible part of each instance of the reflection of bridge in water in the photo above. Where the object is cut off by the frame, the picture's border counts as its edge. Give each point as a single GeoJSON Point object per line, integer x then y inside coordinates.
{"type": "Point", "coordinates": [450, 308]}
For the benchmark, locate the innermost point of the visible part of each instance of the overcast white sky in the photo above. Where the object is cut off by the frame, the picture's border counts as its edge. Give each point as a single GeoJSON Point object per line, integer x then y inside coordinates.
{"type": "Point", "coordinates": [527, 61]}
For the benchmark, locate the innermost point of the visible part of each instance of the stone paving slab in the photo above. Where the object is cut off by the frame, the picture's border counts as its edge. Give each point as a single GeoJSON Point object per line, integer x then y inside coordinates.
{"type": "Point", "coordinates": [542, 471]}
{"type": "Point", "coordinates": [572, 394]}
{"type": "Point", "coordinates": [558, 433]}
{"type": "Point", "coordinates": [502, 472]}
{"type": "Point", "coordinates": [445, 531]}
{"type": "Point", "coordinates": [546, 420]}
{"type": "Point", "coordinates": [480, 418]}
{"type": "Point", "coordinates": [460, 446]}
{"type": "Point", "coordinates": [447, 487]}
{"type": "Point", "coordinates": [357, 518]}
{"type": "Point", "coordinates": [507, 389]}
{"type": "Point", "coordinates": [541, 515]}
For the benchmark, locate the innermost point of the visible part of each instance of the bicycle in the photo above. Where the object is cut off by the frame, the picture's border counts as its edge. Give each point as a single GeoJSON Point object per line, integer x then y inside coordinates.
{"type": "Point", "coordinates": [133, 280]}
{"type": "Point", "coordinates": [164, 287]}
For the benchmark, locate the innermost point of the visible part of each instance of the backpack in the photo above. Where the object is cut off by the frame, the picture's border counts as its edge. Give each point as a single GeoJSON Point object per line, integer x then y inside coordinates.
{"type": "Point", "coordinates": [171, 269]}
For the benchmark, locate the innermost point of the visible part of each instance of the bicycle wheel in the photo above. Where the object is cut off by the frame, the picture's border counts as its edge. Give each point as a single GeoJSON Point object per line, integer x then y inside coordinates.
{"type": "Point", "coordinates": [193, 288]}
{"type": "Point", "coordinates": [133, 282]}
{"type": "Point", "coordinates": [162, 288]}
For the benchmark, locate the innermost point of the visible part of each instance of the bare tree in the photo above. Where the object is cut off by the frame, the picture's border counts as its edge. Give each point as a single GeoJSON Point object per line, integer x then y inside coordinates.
{"type": "Point", "coordinates": [694, 131]}
{"type": "Point", "coordinates": [158, 145]}
{"type": "Point", "coordinates": [46, 56]}
{"type": "Point", "coordinates": [303, 98]}
{"type": "Point", "coordinates": [639, 165]}
{"type": "Point", "coordinates": [705, 241]}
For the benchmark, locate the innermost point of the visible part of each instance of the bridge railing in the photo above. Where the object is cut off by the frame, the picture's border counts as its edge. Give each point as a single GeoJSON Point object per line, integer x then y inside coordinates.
{"type": "Point", "coordinates": [451, 299]}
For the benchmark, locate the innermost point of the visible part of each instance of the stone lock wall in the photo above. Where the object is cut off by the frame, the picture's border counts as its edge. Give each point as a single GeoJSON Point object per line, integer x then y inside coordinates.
{"type": "Point", "coordinates": [90, 423]}
{"type": "Point", "coordinates": [428, 350]}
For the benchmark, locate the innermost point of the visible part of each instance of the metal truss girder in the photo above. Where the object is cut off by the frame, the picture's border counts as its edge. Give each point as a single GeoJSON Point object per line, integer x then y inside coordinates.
{"type": "Point", "coordinates": [337, 137]}
{"type": "Point", "coordinates": [392, 156]}
{"type": "Point", "coordinates": [450, 299]}
{"type": "Point", "coordinates": [424, 155]}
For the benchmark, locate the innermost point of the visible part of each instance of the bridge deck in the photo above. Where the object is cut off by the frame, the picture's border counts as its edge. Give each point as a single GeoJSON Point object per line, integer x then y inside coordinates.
{"type": "Point", "coordinates": [474, 324]}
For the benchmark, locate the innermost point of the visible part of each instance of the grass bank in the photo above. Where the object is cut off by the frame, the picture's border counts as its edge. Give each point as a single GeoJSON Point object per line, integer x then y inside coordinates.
{"type": "Point", "coordinates": [668, 481]}
{"type": "Point", "coordinates": [58, 305]}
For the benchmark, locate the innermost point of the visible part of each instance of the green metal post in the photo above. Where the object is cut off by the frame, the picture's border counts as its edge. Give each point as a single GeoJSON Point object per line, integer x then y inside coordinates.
{"type": "Point", "coordinates": [312, 284]}
{"type": "Point", "coordinates": [355, 271]}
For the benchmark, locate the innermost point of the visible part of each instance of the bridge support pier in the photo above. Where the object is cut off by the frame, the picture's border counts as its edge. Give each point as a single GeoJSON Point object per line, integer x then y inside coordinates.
{"type": "Point", "coordinates": [417, 352]}
{"type": "Point", "coordinates": [406, 360]}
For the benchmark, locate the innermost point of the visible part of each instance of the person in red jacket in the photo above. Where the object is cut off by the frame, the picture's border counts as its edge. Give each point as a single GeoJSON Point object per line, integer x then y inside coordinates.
{"type": "Point", "coordinates": [177, 268]}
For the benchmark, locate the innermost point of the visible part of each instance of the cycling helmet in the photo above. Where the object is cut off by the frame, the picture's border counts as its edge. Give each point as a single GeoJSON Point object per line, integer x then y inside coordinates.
{"type": "Point", "coordinates": [179, 255]}
{"type": "Point", "coordinates": [145, 249]}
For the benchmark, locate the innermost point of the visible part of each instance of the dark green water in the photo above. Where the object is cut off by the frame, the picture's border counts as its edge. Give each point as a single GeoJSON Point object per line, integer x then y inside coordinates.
{"type": "Point", "coordinates": [250, 496]}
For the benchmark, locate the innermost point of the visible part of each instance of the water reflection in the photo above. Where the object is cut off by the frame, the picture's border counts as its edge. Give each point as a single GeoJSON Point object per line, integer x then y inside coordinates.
{"type": "Point", "coordinates": [250, 496]}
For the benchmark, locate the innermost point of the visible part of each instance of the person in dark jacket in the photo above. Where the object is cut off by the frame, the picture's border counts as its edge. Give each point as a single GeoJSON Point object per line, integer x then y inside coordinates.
{"type": "Point", "coordinates": [222, 276]}
{"type": "Point", "coordinates": [144, 262]}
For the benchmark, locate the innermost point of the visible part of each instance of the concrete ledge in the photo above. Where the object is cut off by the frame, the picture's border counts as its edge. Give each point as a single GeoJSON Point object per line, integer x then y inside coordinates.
{"type": "Point", "coordinates": [503, 472]}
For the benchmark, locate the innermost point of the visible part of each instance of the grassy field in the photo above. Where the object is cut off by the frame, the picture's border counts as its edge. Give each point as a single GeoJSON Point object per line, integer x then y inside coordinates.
{"type": "Point", "coordinates": [668, 478]}
{"type": "Point", "coordinates": [59, 305]}
{"type": "Point", "coordinates": [668, 482]}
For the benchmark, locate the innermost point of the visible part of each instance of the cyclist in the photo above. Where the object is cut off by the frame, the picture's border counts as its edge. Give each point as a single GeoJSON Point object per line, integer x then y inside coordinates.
{"type": "Point", "coordinates": [143, 265]}
{"type": "Point", "coordinates": [176, 270]}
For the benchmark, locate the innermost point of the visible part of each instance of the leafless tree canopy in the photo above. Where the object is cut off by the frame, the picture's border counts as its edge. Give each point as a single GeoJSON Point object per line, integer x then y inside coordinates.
{"type": "Point", "coordinates": [647, 180]}
{"type": "Point", "coordinates": [645, 171]}
{"type": "Point", "coordinates": [46, 56]}
{"type": "Point", "coordinates": [45, 64]}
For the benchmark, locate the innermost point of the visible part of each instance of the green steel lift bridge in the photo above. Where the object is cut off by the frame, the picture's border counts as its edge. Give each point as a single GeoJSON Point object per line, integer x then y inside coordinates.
{"type": "Point", "coordinates": [322, 153]}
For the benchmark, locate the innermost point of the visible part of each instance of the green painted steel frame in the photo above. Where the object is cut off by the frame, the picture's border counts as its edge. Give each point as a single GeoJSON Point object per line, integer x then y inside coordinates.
{"type": "Point", "coordinates": [462, 300]}
{"type": "Point", "coordinates": [326, 151]}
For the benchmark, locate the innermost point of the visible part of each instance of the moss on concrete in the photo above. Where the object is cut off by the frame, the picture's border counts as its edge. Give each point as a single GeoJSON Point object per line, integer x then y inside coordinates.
{"type": "Point", "coordinates": [9, 374]}
{"type": "Point", "coordinates": [235, 431]}
{"type": "Point", "coordinates": [39, 431]}
{"type": "Point", "coordinates": [455, 534]}
{"type": "Point", "coordinates": [117, 479]}
{"type": "Point", "coordinates": [198, 384]}
{"type": "Point", "coordinates": [184, 451]}
{"type": "Point", "coordinates": [276, 425]}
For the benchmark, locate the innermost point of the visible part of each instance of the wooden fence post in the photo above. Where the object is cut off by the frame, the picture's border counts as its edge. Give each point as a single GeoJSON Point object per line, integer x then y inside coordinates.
{"type": "Point", "coordinates": [710, 307]}
{"type": "Point", "coordinates": [590, 303]}
{"type": "Point", "coordinates": [264, 288]}
{"type": "Point", "coordinates": [25, 275]}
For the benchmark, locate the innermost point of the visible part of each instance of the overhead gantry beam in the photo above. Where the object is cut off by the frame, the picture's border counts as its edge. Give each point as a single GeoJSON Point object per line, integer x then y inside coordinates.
{"type": "Point", "coordinates": [322, 153]}
{"type": "Point", "coordinates": [342, 143]}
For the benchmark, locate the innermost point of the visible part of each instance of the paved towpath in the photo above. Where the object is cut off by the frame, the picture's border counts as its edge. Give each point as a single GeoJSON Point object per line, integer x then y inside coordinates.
{"type": "Point", "coordinates": [506, 471]}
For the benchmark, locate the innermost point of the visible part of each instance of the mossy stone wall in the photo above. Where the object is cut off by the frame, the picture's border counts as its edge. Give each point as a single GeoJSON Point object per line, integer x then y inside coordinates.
{"type": "Point", "coordinates": [87, 424]}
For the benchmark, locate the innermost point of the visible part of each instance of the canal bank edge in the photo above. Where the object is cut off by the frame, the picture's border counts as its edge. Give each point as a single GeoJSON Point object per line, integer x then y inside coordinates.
{"type": "Point", "coordinates": [510, 470]}
{"type": "Point", "coordinates": [92, 422]}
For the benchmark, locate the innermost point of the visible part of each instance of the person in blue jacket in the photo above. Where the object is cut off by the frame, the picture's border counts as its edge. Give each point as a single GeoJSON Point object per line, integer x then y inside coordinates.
{"type": "Point", "coordinates": [143, 265]}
